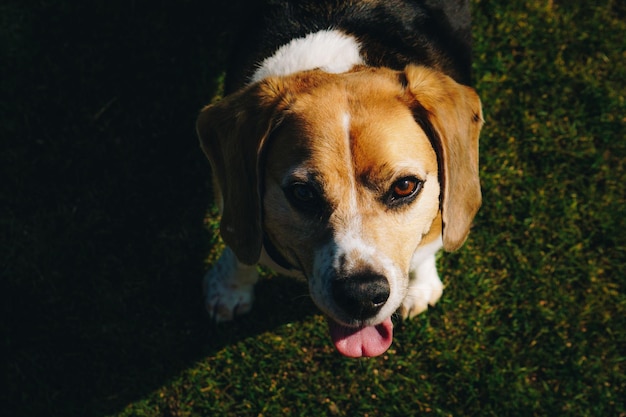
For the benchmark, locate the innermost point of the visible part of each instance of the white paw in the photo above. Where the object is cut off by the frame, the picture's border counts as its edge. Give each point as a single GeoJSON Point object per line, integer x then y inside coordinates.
{"type": "Point", "coordinates": [425, 288]}
{"type": "Point", "coordinates": [419, 297]}
{"type": "Point", "coordinates": [229, 288]}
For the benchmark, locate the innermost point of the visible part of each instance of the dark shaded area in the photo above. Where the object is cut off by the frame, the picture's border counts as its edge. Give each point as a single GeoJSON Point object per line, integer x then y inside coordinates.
{"type": "Point", "coordinates": [103, 196]}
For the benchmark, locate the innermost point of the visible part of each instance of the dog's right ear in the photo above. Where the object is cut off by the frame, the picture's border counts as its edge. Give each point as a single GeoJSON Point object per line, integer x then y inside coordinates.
{"type": "Point", "coordinates": [232, 133]}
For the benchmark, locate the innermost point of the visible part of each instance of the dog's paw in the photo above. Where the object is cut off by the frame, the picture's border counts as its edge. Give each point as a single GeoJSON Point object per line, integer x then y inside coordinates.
{"type": "Point", "coordinates": [229, 288]}
{"type": "Point", "coordinates": [425, 288]}
{"type": "Point", "coordinates": [224, 303]}
{"type": "Point", "coordinates": [419, 297]}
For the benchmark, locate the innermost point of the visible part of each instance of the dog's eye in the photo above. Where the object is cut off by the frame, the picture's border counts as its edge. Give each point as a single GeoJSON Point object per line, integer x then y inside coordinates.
{"type": "Point", "coordinates": [403, 190]}
{"type": "Point", "coordinates": [303, 192]}
{"type": "Point", "coordinates": [303, 196]}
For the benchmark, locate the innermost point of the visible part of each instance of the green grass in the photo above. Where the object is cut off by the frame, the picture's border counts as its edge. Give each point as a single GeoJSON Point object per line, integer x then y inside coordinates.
{"type": "Point", "coordinates": [106, 226]}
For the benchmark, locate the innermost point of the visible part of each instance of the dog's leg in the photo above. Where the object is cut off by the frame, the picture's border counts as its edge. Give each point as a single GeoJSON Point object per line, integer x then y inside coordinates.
{"type": "Point", "coordinates": [229, 287]}
{"type": "Point", "coordinates": [425, 288]}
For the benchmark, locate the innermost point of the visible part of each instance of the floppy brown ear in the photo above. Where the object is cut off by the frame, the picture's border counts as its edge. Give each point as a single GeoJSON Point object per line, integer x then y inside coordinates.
{"type": "Point", "coordinates": [455, 114]}
{"type": "Point", "coordinates": [232, 133]}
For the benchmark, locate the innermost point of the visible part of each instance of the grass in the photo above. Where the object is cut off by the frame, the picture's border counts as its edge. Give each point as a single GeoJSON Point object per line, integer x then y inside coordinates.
{"type": "Point", "coordinates": [107, 226]}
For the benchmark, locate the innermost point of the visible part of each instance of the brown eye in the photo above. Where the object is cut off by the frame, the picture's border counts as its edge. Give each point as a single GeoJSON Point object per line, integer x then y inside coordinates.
{"type": "Point", "coordinates": [404, 190]}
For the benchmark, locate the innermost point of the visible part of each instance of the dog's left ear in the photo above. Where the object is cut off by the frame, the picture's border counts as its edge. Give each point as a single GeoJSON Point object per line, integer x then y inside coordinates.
{"type": "Point", "coordinates": [232, 133]}
{"type": "Point", "coordinates": [454, 112]}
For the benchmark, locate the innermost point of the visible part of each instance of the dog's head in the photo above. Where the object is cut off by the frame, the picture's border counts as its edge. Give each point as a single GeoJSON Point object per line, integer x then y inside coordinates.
{"type": "Point", "coordinates": [346, 176]}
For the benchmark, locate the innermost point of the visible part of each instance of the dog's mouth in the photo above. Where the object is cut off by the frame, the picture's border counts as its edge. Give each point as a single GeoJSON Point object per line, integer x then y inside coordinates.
{"type": "Point", "coordinates": [365, 341]}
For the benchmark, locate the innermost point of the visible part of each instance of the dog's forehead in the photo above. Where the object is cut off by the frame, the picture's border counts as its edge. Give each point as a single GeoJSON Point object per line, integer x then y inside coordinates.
{"type": "Point", "coordinates": [388, 140]}
{"type": "Point", "coordinates": [359, 127]}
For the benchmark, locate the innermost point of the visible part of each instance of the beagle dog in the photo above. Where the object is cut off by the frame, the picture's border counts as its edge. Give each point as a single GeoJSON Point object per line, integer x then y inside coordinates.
{"type": "Point", "coordinates": [345, 151]}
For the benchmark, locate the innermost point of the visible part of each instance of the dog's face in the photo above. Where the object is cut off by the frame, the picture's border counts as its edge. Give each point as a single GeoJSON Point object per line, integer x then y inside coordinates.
{"type": "Point", "coordinates": [350, 189]}
{"type": "Point", "coordinates": [347, 176]}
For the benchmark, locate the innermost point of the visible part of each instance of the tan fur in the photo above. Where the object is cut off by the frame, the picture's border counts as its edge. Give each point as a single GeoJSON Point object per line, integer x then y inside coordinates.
{"type": "Point", "coordinates": [306, 110]}
{"type": "Point", "coordinates": [456, 114]}
{"type": "Point", "coordinates": [382, 142]}
{"type": "Point", "coordinates": [435, 231]}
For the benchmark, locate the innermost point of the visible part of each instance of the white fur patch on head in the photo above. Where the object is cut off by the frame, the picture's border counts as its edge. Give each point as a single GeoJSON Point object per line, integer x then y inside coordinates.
{"type": "Point", "coordinates": [345, 120]}
{"type": "Point", "coordinates": [349, 251]}
{"type": "Point", "coordinates": [331, 51]}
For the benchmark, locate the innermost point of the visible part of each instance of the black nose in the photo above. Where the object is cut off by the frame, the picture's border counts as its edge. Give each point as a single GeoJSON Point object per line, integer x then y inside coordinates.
{"type": "Point", "coordinates": [361, 296]}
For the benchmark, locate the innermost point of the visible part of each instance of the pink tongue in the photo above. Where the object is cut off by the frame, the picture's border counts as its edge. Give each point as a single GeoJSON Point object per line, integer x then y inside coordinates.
{"type": "Point", "coordinates": [361, 341]}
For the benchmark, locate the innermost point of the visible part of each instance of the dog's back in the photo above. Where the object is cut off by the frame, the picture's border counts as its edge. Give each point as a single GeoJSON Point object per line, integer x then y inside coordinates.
{"type": "Point", "coordinates": [432, 33]}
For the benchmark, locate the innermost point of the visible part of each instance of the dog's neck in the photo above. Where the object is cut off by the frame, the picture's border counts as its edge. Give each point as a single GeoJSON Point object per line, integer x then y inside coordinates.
{"type": "Point", "coordinates": [275, 256]}
{"type": "Point", "coordinates": [331, 51]}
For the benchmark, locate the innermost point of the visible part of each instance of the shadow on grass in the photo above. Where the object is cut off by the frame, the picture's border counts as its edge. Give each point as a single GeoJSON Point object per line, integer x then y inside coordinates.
{"type": "Point", "coordinates": [103, 198]}
{"type": "Point", "coordinates": [278, 300]}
